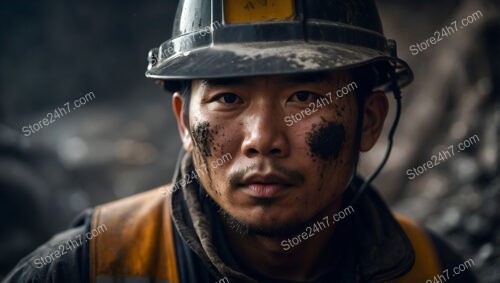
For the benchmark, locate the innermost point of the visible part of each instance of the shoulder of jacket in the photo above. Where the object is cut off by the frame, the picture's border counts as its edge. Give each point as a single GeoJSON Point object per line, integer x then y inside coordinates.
{"type": "Point", "coordinates": [138, 238]}
{"type": "Point", "coordinates": [142, 210]}
{"type": "Point", "coordinates": [58, 260]}
{"type": "Point", "coordinates": [427, 263]}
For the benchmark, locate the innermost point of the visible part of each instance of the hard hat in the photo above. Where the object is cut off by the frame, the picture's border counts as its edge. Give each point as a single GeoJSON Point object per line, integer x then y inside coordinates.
{"type": "Point", "coordinates": [235, 38]}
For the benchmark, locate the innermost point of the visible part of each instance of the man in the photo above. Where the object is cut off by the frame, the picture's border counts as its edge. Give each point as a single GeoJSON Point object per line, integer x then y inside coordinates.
{"type": "Point", "coordinates": [274, 102]}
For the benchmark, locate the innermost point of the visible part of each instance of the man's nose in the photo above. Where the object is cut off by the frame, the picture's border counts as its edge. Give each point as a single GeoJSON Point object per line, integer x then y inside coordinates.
{"type": "Point", "coordinates": [265, 133]}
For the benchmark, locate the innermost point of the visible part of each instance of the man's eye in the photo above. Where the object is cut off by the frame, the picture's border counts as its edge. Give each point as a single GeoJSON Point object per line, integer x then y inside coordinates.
{"type": "Point", "coordinates": [228, 98]}
{"type": "Point", "coordinates": [303, 96]}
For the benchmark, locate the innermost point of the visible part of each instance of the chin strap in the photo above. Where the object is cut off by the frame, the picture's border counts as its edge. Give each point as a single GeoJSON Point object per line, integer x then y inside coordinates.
{"type": "Point", "coordinates": [394, 87]}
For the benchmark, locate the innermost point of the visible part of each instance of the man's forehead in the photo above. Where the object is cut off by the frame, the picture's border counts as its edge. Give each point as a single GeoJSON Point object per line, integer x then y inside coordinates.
{"type": "Point", "coordinates": [301, 78]}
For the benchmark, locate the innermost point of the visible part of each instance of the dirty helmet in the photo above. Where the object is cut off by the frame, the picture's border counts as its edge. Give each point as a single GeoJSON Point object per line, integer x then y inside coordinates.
{"type": "Point", "coordinates": [237, 38]}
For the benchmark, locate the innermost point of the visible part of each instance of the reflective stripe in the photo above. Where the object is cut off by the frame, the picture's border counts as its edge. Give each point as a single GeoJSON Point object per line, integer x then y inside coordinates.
{"type": "Point", "coordinates": [111, 279]}
{"type": "Point", "coordinates": [254, 11]}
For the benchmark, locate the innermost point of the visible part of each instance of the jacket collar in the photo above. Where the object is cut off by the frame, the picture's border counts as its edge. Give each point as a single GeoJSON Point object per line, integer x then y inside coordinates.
{"type": "Point", "coordinates": [383, 251]}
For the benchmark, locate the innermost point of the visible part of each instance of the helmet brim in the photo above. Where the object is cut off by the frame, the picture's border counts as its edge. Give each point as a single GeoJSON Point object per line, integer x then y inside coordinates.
{"type": "Point", "coordinates": [271, 58]}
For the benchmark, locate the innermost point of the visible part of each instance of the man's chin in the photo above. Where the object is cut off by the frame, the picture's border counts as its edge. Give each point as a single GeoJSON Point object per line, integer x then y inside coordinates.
{"type": "Point", "coordinates": [272, 228]}
{"type": "Point", "coordinates": [264, 226]}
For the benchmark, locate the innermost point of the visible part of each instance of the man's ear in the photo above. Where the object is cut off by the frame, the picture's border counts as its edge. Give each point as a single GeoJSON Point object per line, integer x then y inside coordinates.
{"type": "Point", "coordinates": [376, 107]}
{"type": "Point", "coordinates": [177, 105]}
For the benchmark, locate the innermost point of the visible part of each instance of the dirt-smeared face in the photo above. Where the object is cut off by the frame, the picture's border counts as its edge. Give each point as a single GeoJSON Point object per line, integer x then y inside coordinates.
{"type": "Point", "coordinates": [278, 150]}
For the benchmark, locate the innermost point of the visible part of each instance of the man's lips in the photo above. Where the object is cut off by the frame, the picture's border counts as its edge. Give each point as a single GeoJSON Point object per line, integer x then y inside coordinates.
{"type": "Point", "coordinates": [265, 186]}
{"type": "Point", "coordinates": [264, 190]}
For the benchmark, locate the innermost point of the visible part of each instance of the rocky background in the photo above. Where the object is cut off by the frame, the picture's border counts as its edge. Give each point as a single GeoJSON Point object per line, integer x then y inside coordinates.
{"type": "Point", "coordinates": [125, 140]}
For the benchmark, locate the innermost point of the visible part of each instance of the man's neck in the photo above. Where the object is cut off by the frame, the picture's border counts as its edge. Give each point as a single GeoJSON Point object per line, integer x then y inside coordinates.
{"type": "Point", "coordinates": [266, 256]}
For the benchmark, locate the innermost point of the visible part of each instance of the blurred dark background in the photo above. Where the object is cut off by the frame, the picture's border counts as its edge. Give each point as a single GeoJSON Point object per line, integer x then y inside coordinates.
{"type": "Point", "coordinates": [125, 140]}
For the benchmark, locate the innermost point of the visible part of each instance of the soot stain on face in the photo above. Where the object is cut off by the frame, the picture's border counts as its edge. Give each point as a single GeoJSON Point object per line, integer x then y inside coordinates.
{"type": "Point", "coordinates": [326, 140]}
{"type": "Point", "coordinates": [203, 138]}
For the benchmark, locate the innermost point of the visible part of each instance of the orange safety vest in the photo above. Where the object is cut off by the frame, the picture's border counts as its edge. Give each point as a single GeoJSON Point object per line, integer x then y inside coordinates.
{"type": "Point", "coordinates": [139, 244]}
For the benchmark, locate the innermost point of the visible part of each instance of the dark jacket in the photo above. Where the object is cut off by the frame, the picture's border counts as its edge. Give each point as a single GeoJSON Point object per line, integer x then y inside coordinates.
{"type": "Point", "coordinates": [374, 246]}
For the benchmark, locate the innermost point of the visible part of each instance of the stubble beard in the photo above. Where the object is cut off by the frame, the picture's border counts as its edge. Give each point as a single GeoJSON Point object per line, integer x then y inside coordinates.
{"type": "Point", "coordinates": [275, 230]}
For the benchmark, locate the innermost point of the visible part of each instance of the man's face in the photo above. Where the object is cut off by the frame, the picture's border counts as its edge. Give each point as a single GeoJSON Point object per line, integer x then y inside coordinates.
{"type": "Point", "coordinates": [282, 172]}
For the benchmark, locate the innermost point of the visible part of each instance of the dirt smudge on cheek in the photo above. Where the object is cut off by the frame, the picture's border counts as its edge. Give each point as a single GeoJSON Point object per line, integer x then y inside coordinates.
{"type": "Point", "coordinates": [203, 138]}
{"type": "Point", "coordinates": [203, 135]}
{"type": "Point", "coordinates": [326, 140]}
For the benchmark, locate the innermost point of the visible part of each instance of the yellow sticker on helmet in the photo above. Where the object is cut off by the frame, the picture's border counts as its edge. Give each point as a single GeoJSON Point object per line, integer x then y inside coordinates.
{"type": "Point", "coordinates": [255, 11]}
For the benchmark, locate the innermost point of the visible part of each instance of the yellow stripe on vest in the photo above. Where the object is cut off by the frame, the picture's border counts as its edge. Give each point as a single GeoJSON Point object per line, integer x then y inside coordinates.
{"type": "Point", "coordinates": [426, 259]}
